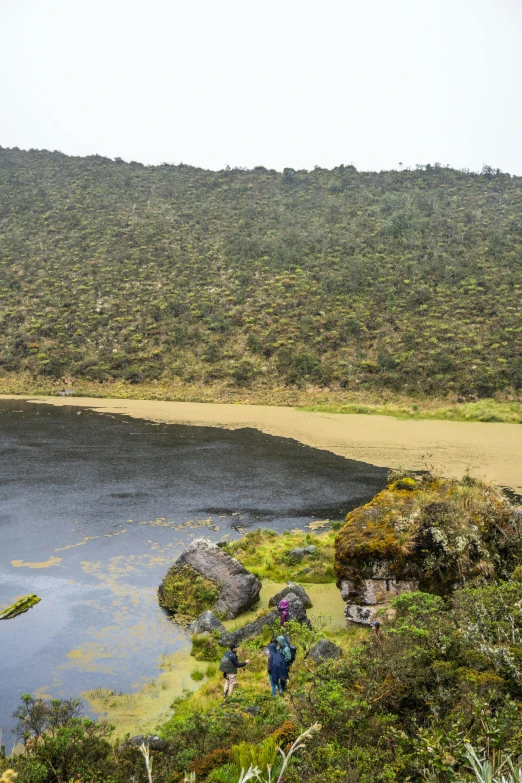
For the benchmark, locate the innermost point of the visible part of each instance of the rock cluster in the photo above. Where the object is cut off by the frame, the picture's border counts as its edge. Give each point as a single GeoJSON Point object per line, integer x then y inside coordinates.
{"type": "Point", "coordinates": [208, 623]}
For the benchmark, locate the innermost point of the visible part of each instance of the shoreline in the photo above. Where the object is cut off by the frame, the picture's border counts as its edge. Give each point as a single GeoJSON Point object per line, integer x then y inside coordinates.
{"type": "Point", "coordinates": [490, 451]}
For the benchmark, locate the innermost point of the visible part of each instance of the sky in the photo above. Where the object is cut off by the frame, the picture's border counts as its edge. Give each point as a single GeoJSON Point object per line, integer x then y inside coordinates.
{"type": "Point", "coordinates": [284, 83]}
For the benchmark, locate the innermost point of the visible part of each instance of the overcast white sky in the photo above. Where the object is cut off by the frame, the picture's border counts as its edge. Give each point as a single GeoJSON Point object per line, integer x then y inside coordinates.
{"type": "Point", "coordinates": [266, 82]}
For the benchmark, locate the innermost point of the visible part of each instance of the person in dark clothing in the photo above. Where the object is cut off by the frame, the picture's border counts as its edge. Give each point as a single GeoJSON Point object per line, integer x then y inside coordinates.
{"type": "Point", "coordinates": [284, 648]}
{"type": "Point", "coordinates": [277, 669]}
{"type": "Point", "coordinates": [229, 665]}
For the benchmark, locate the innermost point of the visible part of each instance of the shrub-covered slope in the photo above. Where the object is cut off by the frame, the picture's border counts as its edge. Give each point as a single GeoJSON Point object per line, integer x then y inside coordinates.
{"type": "Point", "coordinates": [406, 280]}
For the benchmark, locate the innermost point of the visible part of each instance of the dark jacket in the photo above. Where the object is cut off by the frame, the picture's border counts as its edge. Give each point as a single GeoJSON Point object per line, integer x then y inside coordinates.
{"type": "Point", "coordinates": [277, 667]}
{"type": "Point", "coordinates": [229, 663]}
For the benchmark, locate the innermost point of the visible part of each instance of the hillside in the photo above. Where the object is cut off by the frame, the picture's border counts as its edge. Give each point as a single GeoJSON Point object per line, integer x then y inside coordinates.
{"type": "Point", "coordinates": [408, 281]}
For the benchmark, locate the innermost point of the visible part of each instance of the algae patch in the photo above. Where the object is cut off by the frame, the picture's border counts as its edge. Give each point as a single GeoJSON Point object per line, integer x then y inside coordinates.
{"type": "Point", "coordinates": [53, 561]}
{"type": "Point", "coordinates": [140, 712]}
{"type": "Point", "coordinates": [19, 607]}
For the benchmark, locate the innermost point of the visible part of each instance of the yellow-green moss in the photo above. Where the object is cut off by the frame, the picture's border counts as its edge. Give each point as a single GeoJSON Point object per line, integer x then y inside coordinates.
{"type": "Point", "coordinates": [266, 554]}
{"type": "Point", "coordinates": [19, 607]}
{"type": "Point", "coordinates": [186, 593]}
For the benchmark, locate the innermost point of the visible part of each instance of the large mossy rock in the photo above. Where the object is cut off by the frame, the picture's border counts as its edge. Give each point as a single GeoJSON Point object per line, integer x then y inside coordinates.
{"type": "Point", "coordinates": [205, 577]}
{"type": "Point", "coordinates": [429, 534]}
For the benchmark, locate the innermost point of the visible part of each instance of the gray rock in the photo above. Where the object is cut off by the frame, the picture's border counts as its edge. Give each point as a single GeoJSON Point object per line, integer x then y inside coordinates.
{"type": "Point", "coordinates": [363, 615]}
{"type": "Point", "coordinates": [301, 551]}
{"type": "Point", "coordinates": [239, 588]}
{"type": "Point", "coordinates": [369, 592]}
{"type": "Point", "coordinates": [291, 587]}
{"type": "Point", "coordinates": [297, 612]}
{"type": "Point", "coordinates": [207, 622]}
{"type": "Point", "coordinates": [324, 650]}
{"type": "Point", "coordinates": [298, 553]}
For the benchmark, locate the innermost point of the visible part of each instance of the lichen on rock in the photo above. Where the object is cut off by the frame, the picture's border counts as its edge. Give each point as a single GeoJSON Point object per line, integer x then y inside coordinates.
{"type": "Point", "coordinates": [426, 533]}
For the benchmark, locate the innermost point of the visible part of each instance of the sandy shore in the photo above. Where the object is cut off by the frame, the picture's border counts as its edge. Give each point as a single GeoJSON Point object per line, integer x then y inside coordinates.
{"type": "Point", "coordinates": [489, 451]}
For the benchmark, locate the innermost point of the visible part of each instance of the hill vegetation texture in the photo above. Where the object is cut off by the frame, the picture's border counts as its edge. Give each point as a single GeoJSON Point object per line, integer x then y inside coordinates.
{"type": "Point", "coordinates": [409, 281]}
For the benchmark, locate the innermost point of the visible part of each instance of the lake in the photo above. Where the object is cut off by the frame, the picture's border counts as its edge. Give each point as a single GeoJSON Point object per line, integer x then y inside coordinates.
{"type": "Point", "coordinates": [95, 507]}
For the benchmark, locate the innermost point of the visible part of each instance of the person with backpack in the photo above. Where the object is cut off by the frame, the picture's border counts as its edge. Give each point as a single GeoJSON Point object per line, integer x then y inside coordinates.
{"type": "Point", "coordinates": [277, 669]}
{"type": "Point", "coordinates": [284, 649]}
{"type": "Point", "coordinates": [283, 608]}
{"type": "Point", "coordinates": [293, 651]}
{"type": "Point", "coordinates": [229, 665]}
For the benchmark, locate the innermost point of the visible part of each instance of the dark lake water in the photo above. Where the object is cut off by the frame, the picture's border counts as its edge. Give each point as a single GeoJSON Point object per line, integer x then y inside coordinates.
{"type": "Point", "coordinates": [95, 507]}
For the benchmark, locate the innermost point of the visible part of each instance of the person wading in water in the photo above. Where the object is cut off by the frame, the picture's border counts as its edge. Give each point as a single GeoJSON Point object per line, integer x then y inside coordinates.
{"type": "Point", "coordinates": [229, 665]}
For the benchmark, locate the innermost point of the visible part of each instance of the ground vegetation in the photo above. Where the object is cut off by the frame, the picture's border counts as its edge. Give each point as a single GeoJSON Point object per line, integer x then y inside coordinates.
{"type": "Point", "coordinates": [403, 281]}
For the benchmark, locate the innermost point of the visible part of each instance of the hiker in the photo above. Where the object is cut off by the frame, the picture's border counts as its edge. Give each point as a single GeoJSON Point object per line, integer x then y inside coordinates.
{"type": "Point", "coordinates": [229, 665]}
{"type": "Point", "coordinates": [376, 629]}
{"type": "Point", "coordinates": [284, 648]}
{"type": "Point", "coordinates": [293, 651]}
{"type": "Point", "coordinates": [283, 609]}
{"type": "Point", "coordinates": [277, 669]}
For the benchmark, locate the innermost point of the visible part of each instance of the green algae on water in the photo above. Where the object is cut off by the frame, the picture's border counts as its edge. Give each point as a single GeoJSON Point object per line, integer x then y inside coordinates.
{"type": "Point", "coordinates": [19, 607]}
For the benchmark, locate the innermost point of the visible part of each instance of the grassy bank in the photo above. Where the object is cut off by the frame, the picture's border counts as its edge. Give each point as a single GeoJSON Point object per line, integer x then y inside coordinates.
{"type": "Point", "coordinates": [312, 398]}
{"type": "Point", "coordinates": [267, 555]}
{"type": "Point", "coordinates": [483, 410]}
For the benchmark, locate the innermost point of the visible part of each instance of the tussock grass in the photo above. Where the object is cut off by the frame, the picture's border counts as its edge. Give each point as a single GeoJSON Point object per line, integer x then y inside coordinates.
{"type": "Point", "coordinates": [266, 554]}
{"type": "Point", "coordinates": [483, 410]}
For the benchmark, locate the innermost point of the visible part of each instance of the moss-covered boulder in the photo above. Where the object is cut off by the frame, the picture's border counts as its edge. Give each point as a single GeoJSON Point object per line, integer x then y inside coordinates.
{"type": "Point", "coordinates": [205, 577]}
{"type": "Point", "coordinates": [425, 533]}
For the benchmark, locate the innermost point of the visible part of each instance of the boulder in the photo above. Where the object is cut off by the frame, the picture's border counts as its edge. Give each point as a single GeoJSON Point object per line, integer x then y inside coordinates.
{"type": "Point", "coordinates": [238, 588]}
{"type": "Point", "coordinates": [419, 534]}
{"type": "Point", "coordinates": [207, 622]}
{"type": "Point", "coordinates": [291, 587]}
{"type": "Point", "coordinates": [324, 650]}
{"type": "Point", "coordinates": [299, 552]}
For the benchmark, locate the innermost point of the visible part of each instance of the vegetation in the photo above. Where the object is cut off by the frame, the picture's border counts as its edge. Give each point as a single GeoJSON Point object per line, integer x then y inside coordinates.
{"type": "Point", "coordinates": [187, 593]}
{"type": "Point", "coordinates": [19, 607]}
{"type": "Point", "coordinates": [400, 706]}
{"type": "Point", "coordinates": [267, 555]}
{"type": "Point", "coordinates": [484, 410]}
{"type": "Point", "coordinates": [405, 281]}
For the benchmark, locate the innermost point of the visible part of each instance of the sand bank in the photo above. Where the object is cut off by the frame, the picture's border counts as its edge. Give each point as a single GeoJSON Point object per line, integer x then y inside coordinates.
{"type": "Point", "coordinates": [489, 451]}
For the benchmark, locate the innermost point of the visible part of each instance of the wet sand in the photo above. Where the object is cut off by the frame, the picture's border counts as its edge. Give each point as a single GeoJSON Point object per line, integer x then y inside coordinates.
{"type": "Point", "coordinates": [488, 451]}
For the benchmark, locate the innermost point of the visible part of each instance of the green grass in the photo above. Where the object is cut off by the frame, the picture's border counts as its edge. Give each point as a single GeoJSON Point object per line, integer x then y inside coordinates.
{"type": "Point", "coordinates": [483, 410]}
{"type": "Point", "coordinates": [266, 554]}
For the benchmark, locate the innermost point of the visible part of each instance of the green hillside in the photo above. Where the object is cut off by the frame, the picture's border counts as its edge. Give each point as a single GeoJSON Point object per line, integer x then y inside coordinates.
{"type": "Point", "coordinates": [408, 281]}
